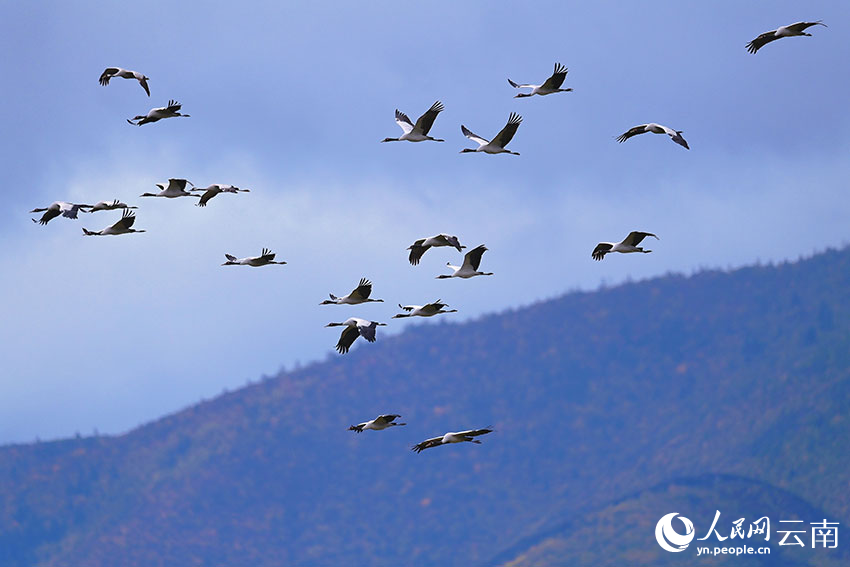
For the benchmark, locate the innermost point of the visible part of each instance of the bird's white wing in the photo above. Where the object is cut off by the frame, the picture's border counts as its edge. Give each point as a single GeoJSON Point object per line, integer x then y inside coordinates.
{"type": "Point", "coordinates": [518, 86]}
{"type": "Point", "coordinates": [403, 121]}
{"type": "Point", "coordinates": [474, 137]}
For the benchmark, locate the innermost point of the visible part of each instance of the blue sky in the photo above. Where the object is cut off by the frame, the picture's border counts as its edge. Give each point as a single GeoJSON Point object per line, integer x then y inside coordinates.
{"type": "Point", "coordinates": [291, 102]}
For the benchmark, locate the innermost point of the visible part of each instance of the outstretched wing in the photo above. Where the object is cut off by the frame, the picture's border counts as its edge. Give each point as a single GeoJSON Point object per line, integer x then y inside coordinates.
{"type": "Point", "coordinates": [173, 106]}
{"type": "Point", "coordinates": [507, 133]}
{"type": "Point", "coordinates": [363, 289]}
{"type": "Point", "coordinates": [635, 237]}
{"type": "Point", "coordinates": [473, 257]}
{"type": "Point", "coordinates": [403, 121]}
{"type": "Point", "coordinates": [433, 307]}
{"type": "Point", "coordinates": [368, 333]}
{"type": "Point", "coordinates": [632, 132]}
{"type": "Point", "coordinates": [385, 419]}
{"type": "Point", "coordinates": [144, 83]}
{"type": "Point", "coordinates": [423, 125]}
{"type": "Point", "coordinates": [474, 137]}
{"type": "Point", "coordinates": [427, 444]}
{"type": "Point", "coordinates": [348, 336]}
{"type": "Point", "coordinates": [475, 432]}
{"type": "Point", "coordinates": [107, 74]}
{"type": "Point", "coordinates": [126, 222]}
{"type": "Point", "coordinates": [416, 251]}
{"type": "Point", "coordinates": [557, 78]}
{"type": "Point", "coordinates": [267, 255]}
{"type": "Point", "coordinates": [405, 307]}
{"type": "Point", "coordinates": [677, 137]}
{"type": "Point", "coordinates": [601, 249]}
{"type": "Point", "coordinates": [518, 86]}
{"type": "Point", "coordinates": [761, 41]}
{"type": "Point", "coordinates": [206, 197]}
{"type": "Point", "coordinates": [800, 26]}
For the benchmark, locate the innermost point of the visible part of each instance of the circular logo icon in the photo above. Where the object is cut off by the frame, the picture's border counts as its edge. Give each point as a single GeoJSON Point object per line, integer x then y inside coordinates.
{"type": "Point", "coordinates": [671, 540]}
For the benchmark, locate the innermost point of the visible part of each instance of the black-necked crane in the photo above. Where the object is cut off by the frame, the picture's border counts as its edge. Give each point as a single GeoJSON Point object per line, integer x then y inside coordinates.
{"type": "Point", "coordinates": [111, 72]}
{"type": "Point", "coordinates": [551, 85]}
{"type": "Point", "coordinates": [471, 261]}
{"type": "Point", "coordinates": [264, 259]}
{"type": "Point", "coordinates": [67, 210]}
{"type": "Point", "coordinates": [215, 189]}
{"type": "Point", "coordinates": [497, 145]}
{"type": "Point", "coordinates": [355, 327]}
{"type": "Point", "coordinates": [156, 114]}
{"type": "Point", "coordinates": [628, 245]}
{"type": "Point", "coordinates": [379, 423]}
{"type": "Point", "coordinates": [418, 248]}
{"type": "Point", "coordinates": [675, 135]}
{"type": "Point", "coordinates": [429, 310]}
{"type": "Point", "coordinates": [791, 30]}
{"type": "Point", "coordinates": [109, 206]}
{"type": "Point", "coordinates": [123, 226]}
{"type": "Point", "coordinates": [452, 437]}
{"type": "Point", "coordinates": [175, 188]}
{"type": "Point", "coordinates": [417, 132]}
{"type": "Point", "coordinates": [360, 295]}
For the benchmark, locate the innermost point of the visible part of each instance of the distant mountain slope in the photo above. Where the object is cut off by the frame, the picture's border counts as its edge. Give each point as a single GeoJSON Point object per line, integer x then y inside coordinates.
{"type": "Point", "coordinates": [617, 534]}
{"type": "Point", "coordinates": [594, 397]}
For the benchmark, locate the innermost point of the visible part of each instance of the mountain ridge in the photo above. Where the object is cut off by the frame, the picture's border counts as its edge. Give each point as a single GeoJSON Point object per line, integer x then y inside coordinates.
{"type": "Point", "coordinates": [593, 395]}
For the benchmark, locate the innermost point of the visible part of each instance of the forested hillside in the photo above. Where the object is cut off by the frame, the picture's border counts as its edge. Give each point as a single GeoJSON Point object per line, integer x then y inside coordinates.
{"type": "Point", "coordinates": [600, 401]}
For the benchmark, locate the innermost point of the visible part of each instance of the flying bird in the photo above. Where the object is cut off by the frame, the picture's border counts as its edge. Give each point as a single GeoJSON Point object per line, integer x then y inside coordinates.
{"type": "Point", "coordinates": [175, 188]}
{"type": "Point", "coordinates": [629, 244]}
{"type": "Point", "coordinates": [109, 206]}
{"type": "Point", "coordinates": [377, 424]}
{"type": "Point", "coordinates": [471, 261]}
{"type": "Point", "coordinates": [418, 248]}
{"type": "Point", "coordinates": [497, 146]}
{"type": "Point", "coordinates": [429, 310]}
{"type": "Point", "coordinates": [264, 259]}
{"type": "Point", "coordinates": [123, 226]}
{"type": "Point", "coordinates": [552, 84]}
{"type": "Point", "coordinates": [452, 437]}
{"type": "Point", "coordinates": [156, 114]}
{"type": "Point", "coordinates": [360, 295]}
{"type": "Point", "coordinates": [67, 210]}
{"type": "Point", "coordinates": [779, 33]}
{"type": "Point", "coordinates": [215, 189]}
{"type": "Point", "coordinates": [355, 327]}
{"type": "Point", "coordinates": [675, 135]}
{"type": "Point", "coordinates": [417, 132]}
{"type": "Point", "coordinates": [111, 72]}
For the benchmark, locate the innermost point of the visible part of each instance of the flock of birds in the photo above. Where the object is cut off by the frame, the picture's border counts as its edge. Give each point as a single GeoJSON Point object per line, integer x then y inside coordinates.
{"type": "Point", "coordinates": [355, 327]}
